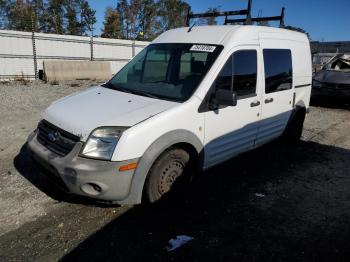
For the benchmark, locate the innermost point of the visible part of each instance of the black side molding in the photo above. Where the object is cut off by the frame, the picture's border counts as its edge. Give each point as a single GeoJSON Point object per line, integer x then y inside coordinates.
{"type": "Point", "coordinates": [299, 86]}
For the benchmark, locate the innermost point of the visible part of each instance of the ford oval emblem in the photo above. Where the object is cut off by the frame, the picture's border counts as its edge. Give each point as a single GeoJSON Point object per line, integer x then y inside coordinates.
{"type": "Point", "coordinates": [53, 136]}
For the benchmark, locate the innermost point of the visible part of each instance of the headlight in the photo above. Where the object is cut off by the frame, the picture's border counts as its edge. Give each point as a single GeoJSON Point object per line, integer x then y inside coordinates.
{"type": "Point", "coordinates": [316, 84]}
{"type": "Point", "coordinates": [102, 142]}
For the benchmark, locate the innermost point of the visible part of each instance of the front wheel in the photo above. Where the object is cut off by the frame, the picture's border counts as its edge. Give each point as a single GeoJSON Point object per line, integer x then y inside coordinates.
{"type": "Point", "coordinates": [165, 171]}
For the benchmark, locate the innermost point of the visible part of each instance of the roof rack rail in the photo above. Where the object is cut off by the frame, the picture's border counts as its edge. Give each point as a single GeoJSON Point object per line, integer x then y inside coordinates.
{"type": "Point", "coordinates": [247, 21]}
{"type": "Point", "coordinates": [246, 12]}
{"type": "Point", "coordinates": [258, 19]}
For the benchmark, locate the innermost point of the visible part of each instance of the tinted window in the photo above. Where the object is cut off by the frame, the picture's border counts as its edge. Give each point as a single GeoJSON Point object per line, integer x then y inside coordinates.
{"type": "Point", "coordinates": [278, 70]}
{"type": "Point", "coordinates": [156, 65]}
{"type": "Point", "coordinates": [244, 72]}
{"type": "Point", "coordinates": [239, 73]}
{"type": "Point", "coordinates": [192, 63]}
{"type": "Point", "coordinates": [224, 79]}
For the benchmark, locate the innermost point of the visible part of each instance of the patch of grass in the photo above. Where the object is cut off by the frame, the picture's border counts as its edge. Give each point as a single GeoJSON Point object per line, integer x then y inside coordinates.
{"type": "Point", "coordinates": [21, 79]}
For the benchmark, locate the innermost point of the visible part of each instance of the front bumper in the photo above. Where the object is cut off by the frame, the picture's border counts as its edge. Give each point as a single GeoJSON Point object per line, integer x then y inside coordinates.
{"type": "Point", "coordinates": [83, 176]}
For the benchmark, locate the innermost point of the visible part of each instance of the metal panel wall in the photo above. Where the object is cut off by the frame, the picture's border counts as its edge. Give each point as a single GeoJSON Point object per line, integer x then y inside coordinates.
{"type": "Point", "coordinates": [17, 57]}
{"type": "Point", "coordinates": [16, 54]}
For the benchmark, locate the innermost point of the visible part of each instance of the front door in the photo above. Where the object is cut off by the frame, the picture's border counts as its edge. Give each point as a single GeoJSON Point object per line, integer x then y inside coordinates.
{"type": "Point", "coordinates": [231, 130]}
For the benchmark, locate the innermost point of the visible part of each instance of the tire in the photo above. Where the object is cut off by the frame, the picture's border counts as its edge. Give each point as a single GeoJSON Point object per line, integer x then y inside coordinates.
{"type": "Point", "coordinates": [165, 171]}
{"type": "Point", "coordinates": [294, 129]}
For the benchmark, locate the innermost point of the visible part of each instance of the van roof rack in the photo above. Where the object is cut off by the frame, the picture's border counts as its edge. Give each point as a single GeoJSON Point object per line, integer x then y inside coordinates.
{"type": "Point", "coordinates": [258, 19]}
{"type": "Point", "coordinates": [247, 12]}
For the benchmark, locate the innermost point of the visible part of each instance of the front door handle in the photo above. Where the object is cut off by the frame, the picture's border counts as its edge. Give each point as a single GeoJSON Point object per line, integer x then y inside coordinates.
{"type": "Point", "coordinates": [268, 100]}
{"type": "Point", "coordinates": [256, 103]}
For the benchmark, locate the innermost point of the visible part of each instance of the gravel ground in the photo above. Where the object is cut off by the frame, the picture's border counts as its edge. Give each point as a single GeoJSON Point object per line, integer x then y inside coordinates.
{"type": "Point", "coordinates": [20, 110]}
{"type": "Point", "coordinates": [272, 204]}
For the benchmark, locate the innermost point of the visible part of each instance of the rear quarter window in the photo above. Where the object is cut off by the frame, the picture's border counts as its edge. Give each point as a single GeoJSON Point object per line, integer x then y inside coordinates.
{"type": "Point", "coordinates": [278, 70]}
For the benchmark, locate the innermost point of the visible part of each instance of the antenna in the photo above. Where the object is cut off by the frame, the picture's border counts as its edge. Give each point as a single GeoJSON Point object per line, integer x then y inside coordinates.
{"type": "Point", "coordinates": [189, 29]}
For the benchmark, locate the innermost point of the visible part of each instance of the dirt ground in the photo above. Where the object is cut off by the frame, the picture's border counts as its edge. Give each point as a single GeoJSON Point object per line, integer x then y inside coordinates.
{"type": "Point", "coordinates": [272, 204]}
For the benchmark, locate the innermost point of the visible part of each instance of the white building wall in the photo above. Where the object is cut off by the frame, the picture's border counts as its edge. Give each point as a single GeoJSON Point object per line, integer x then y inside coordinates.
{"type": "Point", "coordinates": [17, 56]}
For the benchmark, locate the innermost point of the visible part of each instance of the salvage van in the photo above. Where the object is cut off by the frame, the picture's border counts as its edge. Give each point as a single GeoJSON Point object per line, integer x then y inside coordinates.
{"type": "Point", "coordinates": [194, 97]}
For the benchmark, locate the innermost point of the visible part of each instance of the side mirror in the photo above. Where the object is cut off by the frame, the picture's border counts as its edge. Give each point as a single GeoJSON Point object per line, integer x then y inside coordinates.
{"type": "Point", "coordinates": [226, 97]}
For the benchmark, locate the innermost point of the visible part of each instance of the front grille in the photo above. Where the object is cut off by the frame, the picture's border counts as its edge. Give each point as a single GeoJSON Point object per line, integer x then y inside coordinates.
{"type": "Point", "coordinates": [55, 139]}
{"type": "Point", "coordinates": [51, 174]}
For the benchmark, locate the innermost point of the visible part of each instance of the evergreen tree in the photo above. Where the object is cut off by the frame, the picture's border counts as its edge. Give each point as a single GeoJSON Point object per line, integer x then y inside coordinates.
{"type": "Point", "coordinates": [4, 9]}
{"type": "Point", "coordinates": [55, 12]}
{"type": "Point", "coordinates": [147, 19]}
{"type": "Point", "coordinates": [20, 15]}
{"type": "Point", "coordinates": [23, 15]}
{"type": "Point", "coordinates": [123, 9]}
{"type": "Point", "coordinates": [39, 16]}
{"type": "Point", "coordinates": [172, 14]}
{"type": "Point", "coordinates": [72, 23]}
{"type": "Point", "coordinates": [87, 17]}
{"type": "Point", "coordinates": [111, 25]}
{"type": "Point", "coordinates": [79, 16]}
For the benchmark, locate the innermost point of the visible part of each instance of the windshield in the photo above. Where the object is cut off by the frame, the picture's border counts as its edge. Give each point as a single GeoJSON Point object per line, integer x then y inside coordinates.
{"type": "Point", "coordinates": [166, 71]}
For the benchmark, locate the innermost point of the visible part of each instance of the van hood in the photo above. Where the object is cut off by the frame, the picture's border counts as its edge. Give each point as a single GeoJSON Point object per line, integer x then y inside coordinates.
{"type": "Point", "coordinates": [84, 111]}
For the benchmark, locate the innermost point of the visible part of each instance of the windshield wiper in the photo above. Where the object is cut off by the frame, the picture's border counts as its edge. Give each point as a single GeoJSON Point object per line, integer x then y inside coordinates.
{"type": "Point", "coordinates": [143, 93]}
{"type": "Point", "coordinates": [108, 85]}
{"type": "Point", "coordinates": [118, 88]}
{"type": "Point", "coordinates": [130, 91]}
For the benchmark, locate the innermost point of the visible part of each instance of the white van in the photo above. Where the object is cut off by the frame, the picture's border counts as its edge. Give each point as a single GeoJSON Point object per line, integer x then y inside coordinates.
{"type": "Point", "coordinates": [199, 97]}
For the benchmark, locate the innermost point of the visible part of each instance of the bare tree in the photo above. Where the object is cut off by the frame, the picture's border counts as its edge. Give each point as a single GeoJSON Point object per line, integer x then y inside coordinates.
{"type": "Point", "coordinates": [209, 20]}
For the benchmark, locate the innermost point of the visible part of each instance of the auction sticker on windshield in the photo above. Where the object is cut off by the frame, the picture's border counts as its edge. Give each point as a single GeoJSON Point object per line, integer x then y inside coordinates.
{"type": "Point", "coordinates": [203, 48]}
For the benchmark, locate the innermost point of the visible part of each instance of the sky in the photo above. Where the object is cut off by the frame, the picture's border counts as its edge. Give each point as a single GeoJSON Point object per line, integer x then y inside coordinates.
{"type": "Point", "coordinates": [325, 20]}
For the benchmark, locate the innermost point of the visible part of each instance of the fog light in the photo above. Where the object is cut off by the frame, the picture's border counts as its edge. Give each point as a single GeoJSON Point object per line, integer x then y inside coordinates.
{"type": "Point", "coordinates": [91, 189]}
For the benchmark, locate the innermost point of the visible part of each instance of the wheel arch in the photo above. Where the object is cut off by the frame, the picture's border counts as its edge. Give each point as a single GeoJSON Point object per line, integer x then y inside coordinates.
{"type": "Point", "coordinates": [299, 108]}
{"type": "Point", "coordinates": [300, 105]}
{"type": "Point", "coordinates": [177, 138]}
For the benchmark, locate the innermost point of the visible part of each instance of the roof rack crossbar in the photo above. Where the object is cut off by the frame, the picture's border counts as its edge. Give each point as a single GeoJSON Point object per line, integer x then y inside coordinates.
{"type": "Point", "coordinates": [246, 12]}
{"type": "Point", "coordinates": [216, 14]}
{"type": "Point", "coordinates": [258, 19]}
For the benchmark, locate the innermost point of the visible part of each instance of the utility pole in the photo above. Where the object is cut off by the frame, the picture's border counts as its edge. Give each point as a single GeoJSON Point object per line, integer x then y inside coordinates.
{"type": "Point", "coordinates": [91, 42]}
{"type": "Point", "coordinates": [34, 46]}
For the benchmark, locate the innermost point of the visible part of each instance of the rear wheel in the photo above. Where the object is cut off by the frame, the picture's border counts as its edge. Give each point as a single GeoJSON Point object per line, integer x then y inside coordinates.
{"type": "Point", "coordinates": [294, 129]}
{"type": "Point", "coordinates": [165, 172]}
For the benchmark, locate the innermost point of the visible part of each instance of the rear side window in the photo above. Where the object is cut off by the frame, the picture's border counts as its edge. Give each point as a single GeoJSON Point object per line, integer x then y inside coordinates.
{"type": "Point", "coordinates": [278, 70]}
{"type": "Point", "coordinates": [239, 73]}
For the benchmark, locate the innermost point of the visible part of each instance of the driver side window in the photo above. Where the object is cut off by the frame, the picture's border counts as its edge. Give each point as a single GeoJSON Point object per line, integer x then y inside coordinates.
{"type": "Point", "coordinates": [239, 74]}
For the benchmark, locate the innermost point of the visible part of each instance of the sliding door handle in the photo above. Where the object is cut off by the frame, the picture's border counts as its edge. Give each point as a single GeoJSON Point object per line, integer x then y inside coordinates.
{"type": "Point", "coordinates": [256, 103]}
{"type": "Point", "coordinates": [268, 100]}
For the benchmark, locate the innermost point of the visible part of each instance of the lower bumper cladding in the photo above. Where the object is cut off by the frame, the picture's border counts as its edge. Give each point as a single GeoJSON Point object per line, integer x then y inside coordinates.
{"type": "Point", "coordinates": [103, 180]}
